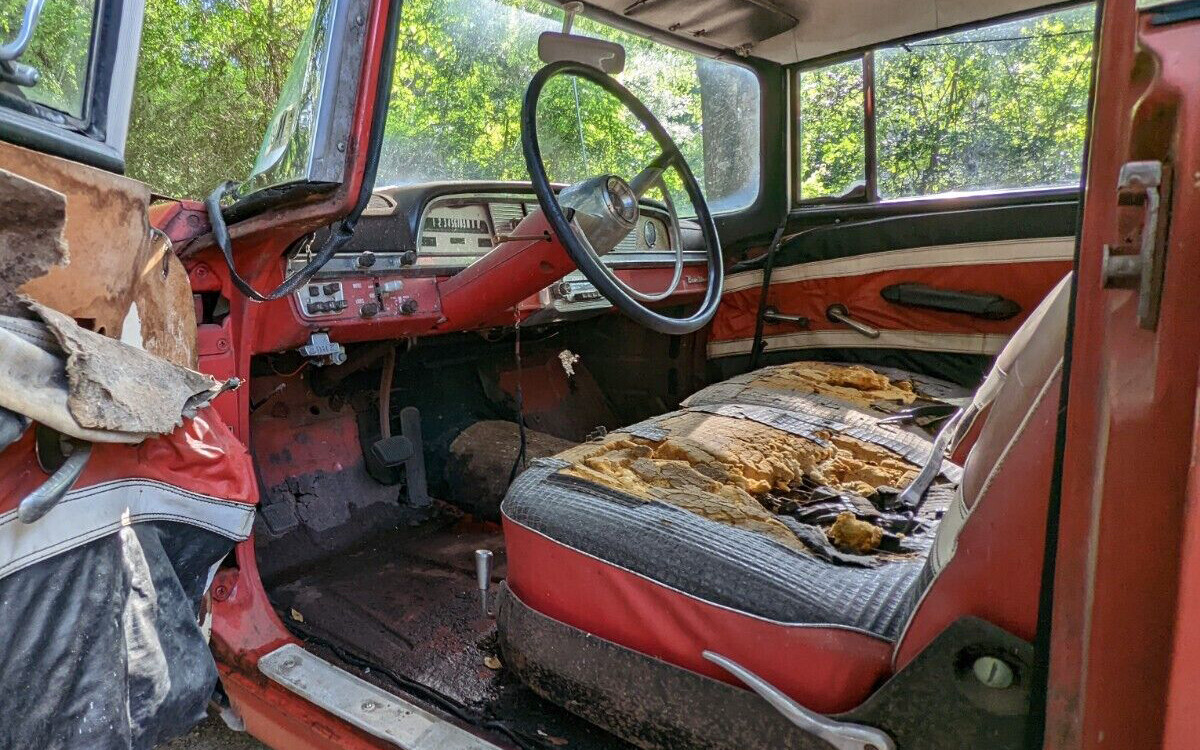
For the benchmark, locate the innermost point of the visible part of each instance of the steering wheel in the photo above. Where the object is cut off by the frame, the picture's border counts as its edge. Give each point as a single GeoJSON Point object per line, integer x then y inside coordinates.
{"type": "Point", "coordinates": [590, 217]}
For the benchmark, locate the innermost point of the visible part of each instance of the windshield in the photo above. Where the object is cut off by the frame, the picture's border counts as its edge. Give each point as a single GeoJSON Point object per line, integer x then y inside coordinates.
{"type": "Point", "coordinates": [461, 72]}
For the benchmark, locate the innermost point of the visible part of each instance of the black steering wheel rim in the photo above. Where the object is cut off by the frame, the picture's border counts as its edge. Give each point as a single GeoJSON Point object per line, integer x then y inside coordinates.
{"type": "Point", "coordinates": [587, 262]}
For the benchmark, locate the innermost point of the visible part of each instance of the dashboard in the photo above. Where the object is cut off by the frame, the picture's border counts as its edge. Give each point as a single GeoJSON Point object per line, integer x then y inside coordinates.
{"type": "Point", "coordinates": [410, 237]}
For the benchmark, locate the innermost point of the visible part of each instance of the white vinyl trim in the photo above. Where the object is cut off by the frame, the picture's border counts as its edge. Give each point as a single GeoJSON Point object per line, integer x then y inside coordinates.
{"type": "Point", "coordinates": [90, 513]}
{"type": "Point", "coordinates": [945, 543]}
{"type": "Point", "coordinates": [1000, 252]}
{"type": "Point", "coordinates": [955, 343]}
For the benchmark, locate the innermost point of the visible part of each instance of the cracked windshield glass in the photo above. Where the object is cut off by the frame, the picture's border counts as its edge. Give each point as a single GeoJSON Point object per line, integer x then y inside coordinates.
{"type": "Point", "coordinates": [461, 72]}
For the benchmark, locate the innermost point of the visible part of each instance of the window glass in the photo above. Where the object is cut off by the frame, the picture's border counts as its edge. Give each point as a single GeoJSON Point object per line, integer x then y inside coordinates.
{"type": "Point", "coordinates": [1003, 106]}
{"type": "Point", "coordinates": [461, 72]}
{"type": "Point", "coordinates": [59, 50]}
{"type": "Point", "coordinates": [831, 149]}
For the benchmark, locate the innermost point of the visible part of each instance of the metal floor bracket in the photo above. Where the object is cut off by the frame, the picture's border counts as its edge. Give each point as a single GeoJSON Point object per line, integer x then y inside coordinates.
{"type": "Point", "coordinates": [363, 705]}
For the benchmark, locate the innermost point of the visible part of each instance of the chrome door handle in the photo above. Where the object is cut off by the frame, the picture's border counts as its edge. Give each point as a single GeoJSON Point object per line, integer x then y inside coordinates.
{"type": "Point", "coordinates": [839, 314]}
{"type": "Point", "coordinates": [771, 315]}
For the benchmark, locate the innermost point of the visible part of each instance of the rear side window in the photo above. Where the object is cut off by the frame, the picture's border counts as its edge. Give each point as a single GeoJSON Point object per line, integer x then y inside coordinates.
{"type": "Point", "coordinates": [998, 107]}
{"type": "Point", "coordinates": [832, 146]}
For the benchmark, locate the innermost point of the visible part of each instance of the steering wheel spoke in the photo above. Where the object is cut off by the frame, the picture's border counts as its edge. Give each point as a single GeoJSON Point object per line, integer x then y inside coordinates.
{"type": "Point", "coordinates": [652, 175]}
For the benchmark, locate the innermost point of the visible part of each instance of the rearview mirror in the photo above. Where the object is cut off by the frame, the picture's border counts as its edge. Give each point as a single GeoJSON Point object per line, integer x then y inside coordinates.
{"type": "Point", "coordinates": [607, 56]}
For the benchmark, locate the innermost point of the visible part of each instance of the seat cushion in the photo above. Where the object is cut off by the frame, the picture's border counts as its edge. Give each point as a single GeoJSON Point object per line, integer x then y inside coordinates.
{"type": "Point", "coordinates": [661, 537]}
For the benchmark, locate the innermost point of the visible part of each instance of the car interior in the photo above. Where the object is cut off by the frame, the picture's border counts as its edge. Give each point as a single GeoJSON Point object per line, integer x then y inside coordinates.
{"type": "Point", "coordinates": [587, 499]}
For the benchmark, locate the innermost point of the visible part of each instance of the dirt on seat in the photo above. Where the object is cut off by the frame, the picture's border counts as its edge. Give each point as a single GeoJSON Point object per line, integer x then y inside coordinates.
{"type": "Point", "coordinates": [722, 468]}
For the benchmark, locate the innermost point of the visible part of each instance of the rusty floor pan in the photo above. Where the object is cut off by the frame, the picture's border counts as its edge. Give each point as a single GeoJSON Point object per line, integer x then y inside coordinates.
{"type": "Point", "coordinates": [407, 602]}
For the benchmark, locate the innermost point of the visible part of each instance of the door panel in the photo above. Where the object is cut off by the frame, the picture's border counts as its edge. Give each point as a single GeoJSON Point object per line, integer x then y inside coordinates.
{"type": "Point", "coordinates": [1012, 253]}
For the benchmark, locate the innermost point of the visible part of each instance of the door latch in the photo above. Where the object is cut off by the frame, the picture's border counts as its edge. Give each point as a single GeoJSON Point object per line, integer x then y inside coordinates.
{"type": "Point", "coordinates": [1138, 262]}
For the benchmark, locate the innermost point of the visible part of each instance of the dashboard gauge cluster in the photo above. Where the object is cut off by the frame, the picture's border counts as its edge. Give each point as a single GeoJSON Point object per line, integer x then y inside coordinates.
{"type": "Point", "coordinates": [414, 234]}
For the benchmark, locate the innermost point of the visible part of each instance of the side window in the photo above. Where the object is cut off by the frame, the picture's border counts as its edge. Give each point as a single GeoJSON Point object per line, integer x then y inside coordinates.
{"type": "Point", "coordinates": [829, 122]}
{"type": "Point", "coordinates": [53, 68]}
{"type": "Point", "coordinates": [999, 107]}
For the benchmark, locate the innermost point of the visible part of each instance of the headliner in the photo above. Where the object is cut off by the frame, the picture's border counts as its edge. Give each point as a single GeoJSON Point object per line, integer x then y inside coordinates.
{"type": "Point", "coordinates": [789, 31]}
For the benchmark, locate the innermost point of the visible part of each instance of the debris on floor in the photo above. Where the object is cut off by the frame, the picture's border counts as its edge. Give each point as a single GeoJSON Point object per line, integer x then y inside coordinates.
{"type": "Point", "coordinates": [481, 463]}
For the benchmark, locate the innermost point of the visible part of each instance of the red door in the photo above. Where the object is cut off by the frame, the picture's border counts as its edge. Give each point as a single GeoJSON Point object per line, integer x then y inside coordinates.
{"type": "Point", "coordinates": [1125, 660]}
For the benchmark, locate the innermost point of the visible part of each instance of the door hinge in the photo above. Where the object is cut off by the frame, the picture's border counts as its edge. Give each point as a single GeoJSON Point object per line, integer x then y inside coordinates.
{"type": "Point", "coordinates": [1138, 261]}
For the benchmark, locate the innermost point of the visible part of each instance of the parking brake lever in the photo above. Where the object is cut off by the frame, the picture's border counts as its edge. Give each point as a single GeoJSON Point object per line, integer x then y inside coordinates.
{"type": "Point", "coordinates": [839, 314]}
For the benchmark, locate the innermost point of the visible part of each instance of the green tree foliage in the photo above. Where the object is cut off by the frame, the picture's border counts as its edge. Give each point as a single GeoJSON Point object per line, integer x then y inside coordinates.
{"type": "Point", "coordinates": [209, 75]}
{"type": "Point", "coordinates": [831, 129]}
{"type": "Point", "coordinates": [994, 107]}
{"type": "Point", "coordinates": [460, 78]}
{"type": "Point", "coordinates": [59, 50]}
{"type": "Point", "coordinates": [1001, 106]}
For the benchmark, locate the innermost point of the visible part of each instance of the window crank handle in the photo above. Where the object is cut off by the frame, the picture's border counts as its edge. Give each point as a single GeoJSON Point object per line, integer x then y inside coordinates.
{"type": "Point", "coordinates": [839, 314]}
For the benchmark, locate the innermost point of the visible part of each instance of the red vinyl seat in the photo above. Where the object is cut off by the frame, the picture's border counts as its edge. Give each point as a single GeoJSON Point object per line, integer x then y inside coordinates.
{"type": "Point", "coordinates": [671, 584]}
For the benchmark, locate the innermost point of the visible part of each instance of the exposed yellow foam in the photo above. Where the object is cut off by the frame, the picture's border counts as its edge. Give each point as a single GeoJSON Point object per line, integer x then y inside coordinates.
{"type": "Point", "coordinates": [852, 383]}
{"type": "Point", "coordinates": [715, 466]}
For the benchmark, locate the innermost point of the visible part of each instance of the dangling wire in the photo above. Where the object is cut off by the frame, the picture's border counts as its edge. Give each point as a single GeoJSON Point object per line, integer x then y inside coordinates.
{"type": "Point", "coordinates": [521, 462]}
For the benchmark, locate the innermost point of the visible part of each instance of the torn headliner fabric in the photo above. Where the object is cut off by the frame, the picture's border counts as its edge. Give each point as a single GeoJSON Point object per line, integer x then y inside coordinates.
{"type": "Point", "coordinates": [90, 386]}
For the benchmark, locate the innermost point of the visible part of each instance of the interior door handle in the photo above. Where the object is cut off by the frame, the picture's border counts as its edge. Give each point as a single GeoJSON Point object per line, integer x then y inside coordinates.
{"type": "Point", "coordinates": [839, 314]}
{"type": "Point", "coordinates": [771, 315]}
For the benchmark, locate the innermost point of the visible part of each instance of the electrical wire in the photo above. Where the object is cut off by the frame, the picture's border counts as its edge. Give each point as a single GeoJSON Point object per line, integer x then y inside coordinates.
{"type": "Point", "coordinates": [385, 394]}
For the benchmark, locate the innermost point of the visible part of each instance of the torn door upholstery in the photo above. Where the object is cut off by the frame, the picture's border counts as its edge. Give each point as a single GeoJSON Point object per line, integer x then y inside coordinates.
{"type": "Point", "coordinates": [100, 598]}
{"type": "Point", "coordinates": [90, 386]}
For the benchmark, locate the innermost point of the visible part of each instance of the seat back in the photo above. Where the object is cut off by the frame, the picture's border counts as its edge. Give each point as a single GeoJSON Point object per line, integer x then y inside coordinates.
{"type": "Point", "coordinates": [987, 558]}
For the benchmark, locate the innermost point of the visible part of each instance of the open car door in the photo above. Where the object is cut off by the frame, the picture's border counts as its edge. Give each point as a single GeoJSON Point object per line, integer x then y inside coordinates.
{"type": "Point", "coordinates": [121, 489]}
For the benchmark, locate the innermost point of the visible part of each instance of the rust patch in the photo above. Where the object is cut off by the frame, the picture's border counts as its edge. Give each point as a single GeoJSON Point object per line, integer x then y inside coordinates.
{"type": "Point", "coordinates": [116, 264]}
{"type": "Point", "coordinates": [31, 240]}
{"type": "Point", "coordinates": [721, 467]}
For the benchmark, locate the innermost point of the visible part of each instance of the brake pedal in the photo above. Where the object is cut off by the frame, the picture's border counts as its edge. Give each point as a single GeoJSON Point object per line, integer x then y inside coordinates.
{"type": "Point", "coordinates": [407, 450]}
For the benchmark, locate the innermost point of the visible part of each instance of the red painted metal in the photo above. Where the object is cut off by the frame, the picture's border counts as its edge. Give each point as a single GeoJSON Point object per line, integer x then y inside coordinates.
{"type": "Point", "coordinates": [1130, 418]}
{"type": "Point", "coordinates": [182, 220]}
{"type": "Point", "coordinates": [510, 273]}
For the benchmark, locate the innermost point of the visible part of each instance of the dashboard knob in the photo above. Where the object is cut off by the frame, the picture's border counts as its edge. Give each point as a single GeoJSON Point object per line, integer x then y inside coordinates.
{"type": "Point", "coordinates": [408, 306]}
{"type": "Point", "coordinates": [368, 309]}
{"type": "Point", "coordinates": [366, 259]}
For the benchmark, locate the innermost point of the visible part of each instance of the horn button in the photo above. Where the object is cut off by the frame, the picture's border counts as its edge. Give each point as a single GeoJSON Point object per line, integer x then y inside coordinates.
{"type": "Point", "coordinates": [605, 210]}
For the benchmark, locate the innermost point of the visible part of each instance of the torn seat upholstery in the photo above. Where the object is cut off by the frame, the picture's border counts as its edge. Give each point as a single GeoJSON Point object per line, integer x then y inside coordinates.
{"type": "Point", "coordinates": [679, 534]}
